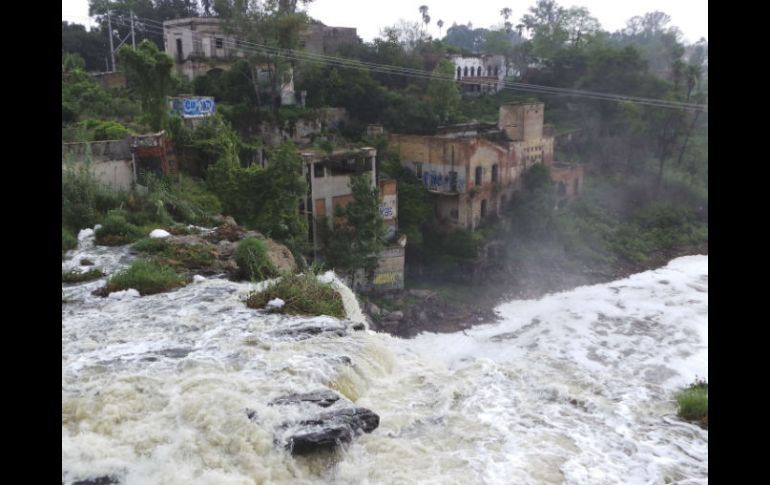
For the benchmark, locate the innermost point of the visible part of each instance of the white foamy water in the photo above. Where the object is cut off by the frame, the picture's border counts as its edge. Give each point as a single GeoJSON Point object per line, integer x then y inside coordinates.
{"type": "Point", "coordinates": [575, 388]}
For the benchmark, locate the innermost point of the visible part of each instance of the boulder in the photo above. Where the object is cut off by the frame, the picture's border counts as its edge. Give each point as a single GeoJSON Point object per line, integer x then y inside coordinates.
{"type": "Point", "coordinates": [281, 257]}
{"type": "Point", "coordinates": [330, 430]}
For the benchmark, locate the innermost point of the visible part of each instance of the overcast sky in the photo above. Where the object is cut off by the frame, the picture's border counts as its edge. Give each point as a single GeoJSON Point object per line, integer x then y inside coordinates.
{"type": "Point", "coordinates": [370, 16]}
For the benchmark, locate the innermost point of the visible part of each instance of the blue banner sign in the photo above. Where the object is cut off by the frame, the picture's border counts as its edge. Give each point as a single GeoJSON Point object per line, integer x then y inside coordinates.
{"type": "Point", "coordinates": [193, 107]}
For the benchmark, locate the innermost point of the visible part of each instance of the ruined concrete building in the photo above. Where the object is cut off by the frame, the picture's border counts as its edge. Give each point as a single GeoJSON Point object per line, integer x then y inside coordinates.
{"type": "Point", "coordinates": [199, 45]}
{"type": "Point", "coordinates": [474, 169]}
{"type": "Point", "coordinates": [479, 73]}
{"type": "Point", "coordinates": [119, 164]}
{"type": "Point", "coordinates": [329, 177]}
{"type": "Point", "coordinates": [318, 38]}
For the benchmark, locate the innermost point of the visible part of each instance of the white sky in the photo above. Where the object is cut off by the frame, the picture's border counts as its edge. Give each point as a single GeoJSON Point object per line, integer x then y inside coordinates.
{"type": "Point", "coordinates": [370, 16]}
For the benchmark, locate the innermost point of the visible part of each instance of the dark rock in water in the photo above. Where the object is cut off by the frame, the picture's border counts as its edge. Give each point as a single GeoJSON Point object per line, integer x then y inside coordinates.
{"type": "Point", "coordinates": [103, 480]}
{"type": "Point", "coordinates": [101, 292]}
{"type": "Point", "coordinates": [321, 398]}
{"type": "Point", "coordinates": [251, 414]}
{"type": "Point", "coordinates": [330, 430]}
{"type": "Point", "coordinates": [358, 327]}
{"type": "Point", "coordinates": [174, 353]}
{"type": "Point", "coordinates": [344, 359]}
{"type": "Point", "coordinates": [303, 331]}
{"type": "Point", "coordinates": [86, 262]}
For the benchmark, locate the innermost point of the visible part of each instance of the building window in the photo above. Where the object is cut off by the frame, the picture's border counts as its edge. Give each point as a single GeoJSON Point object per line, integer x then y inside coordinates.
{"type": "Point", "coordinates": [489, 71]}
{"type": "Point", "coordinates": [418, 170]}
{"type": "Point", "coordinates": [484, 208]}
{"type": "Point", "coordinates": [453, 181]}
{"type": "Point", "coordinates": [459, 71]}
{"type": "Point", "coordinates": [465, 71]}
{"type": "Point", "coordinates": [478, 71]}
{"type": "Point", "coordinates": [219, 42]}
{"type": "Point", "coordinates": [318, 170]}
{"type": "Point", "coordinates": [179, 53]}
{"type": "Point", "coordinates": [454, 214]}
{"type": "Point", "coordinates": [478, 175]}
{"type": "Point", "coordinates": [494, 173]}
{"type": "Point", "coordinates": [496, 71]}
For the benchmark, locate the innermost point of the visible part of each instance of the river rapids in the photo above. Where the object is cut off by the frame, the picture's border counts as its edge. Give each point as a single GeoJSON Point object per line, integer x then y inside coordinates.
{"type": "Point", "coordinates": [574, 388]}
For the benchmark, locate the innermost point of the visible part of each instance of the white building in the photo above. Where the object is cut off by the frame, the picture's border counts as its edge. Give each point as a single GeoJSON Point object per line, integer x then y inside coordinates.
{"type": "Point", "coordinates": [479, 73]}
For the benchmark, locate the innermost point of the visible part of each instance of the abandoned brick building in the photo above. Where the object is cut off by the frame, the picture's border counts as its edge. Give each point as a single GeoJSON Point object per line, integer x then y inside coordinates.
{"type": "Point", "coordinates": [474, 169]}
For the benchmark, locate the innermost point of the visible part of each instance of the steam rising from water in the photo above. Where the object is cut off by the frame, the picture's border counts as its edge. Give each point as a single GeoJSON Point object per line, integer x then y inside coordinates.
{"type": "Point", "coordinates": [574, 388]}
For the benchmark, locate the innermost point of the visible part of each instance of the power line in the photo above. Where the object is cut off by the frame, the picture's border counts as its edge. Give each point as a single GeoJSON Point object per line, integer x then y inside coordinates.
{"type": "Point", "coordinates": [254, 47]}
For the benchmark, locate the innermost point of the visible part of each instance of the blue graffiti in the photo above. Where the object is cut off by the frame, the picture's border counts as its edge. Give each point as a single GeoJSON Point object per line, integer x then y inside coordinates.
{"type": "Point", "coordinates": [193, 107]}
{"type": "Point", "coordinates": [442, 181]}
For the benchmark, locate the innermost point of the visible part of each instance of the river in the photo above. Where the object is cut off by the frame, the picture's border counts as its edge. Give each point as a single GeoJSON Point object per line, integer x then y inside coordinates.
{"type": "Point", "coordinates": [573, 388]}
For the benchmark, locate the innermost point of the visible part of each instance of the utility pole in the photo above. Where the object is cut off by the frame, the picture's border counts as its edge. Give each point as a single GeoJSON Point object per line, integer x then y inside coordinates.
{"type": "Point", "coordinates": [112, 50]}
{"type": "Point", "coordinates": [133, 40]}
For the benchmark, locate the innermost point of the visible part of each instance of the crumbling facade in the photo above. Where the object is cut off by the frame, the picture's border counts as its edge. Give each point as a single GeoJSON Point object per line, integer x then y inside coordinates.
{"type": "Point", "coordinates": [329, 177]}
{"type": "Point", "coordinates": [119, 164]}
{"type": "Point", "coordinates": [318, 38]}
{"type": "Point", "coordinates": [200, 45]}
{"type": "Point", "coordinates": [474, 169]}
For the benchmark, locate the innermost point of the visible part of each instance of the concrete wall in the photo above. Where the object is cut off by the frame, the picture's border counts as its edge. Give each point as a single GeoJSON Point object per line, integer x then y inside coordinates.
{"type": "Point", "coordinates": [110, 80]}
{"type": "Point", "coordinates": [108, 161]}
{"type": "Point", "coordinates": [522, 121]}
{"type": "Point", "coordinates": [324, 39]}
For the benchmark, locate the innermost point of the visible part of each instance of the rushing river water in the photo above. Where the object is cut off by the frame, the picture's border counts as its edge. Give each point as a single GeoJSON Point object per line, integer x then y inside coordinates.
{"type": "Point", "coordinates": [574, 388]}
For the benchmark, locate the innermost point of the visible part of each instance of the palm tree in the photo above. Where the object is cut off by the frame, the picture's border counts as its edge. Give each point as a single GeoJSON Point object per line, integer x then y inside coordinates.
{"type": "Point", "coordinates": [506, 12]}
{"type": "Point", "coordinates": [440, 24]}
{"type": "Point", "coordinates": [425, 16]}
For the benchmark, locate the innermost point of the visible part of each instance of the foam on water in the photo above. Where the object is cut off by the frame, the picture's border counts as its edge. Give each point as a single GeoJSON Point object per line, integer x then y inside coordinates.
{"type": "Point", "coordinates": [574, 388]}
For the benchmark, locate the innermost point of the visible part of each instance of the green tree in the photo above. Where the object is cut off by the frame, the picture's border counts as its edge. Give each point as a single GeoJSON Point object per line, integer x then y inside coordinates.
{"type": "Point", "coordinates": [358, 237]}
{"type": "Point", "coordinates": [443, 92]}
{"type": "Point", "coordinates": [149, 73]}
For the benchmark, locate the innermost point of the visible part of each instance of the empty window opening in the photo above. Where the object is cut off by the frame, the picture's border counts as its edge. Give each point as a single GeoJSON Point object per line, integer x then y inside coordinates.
{"type": "Point", "coordinates": [318, 170]}
{"type": "Point", "coordinates": [459, 71]}
{"type": "Point", "coordinates": [465, 71]}
{"type": "Point", "coordinates": [478, 175]}
{"type": "Point", "coordinates": [494, 173]}
{"type": "Point", "coordinates": [219, 42]}
{"type": "Point", "coordinates": [484, 208]}
{"type": "Point", "coordinates": [453, 181]}
{"type": "Point", "coordinates": [179, 53]}
{"type": "Point", "coordinates": [454, 214]}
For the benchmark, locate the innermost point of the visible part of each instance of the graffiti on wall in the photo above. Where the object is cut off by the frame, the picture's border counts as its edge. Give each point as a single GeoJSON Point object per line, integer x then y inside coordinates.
{"type": "Point", "coordinates": [445, 182]}
{"type": "Point", "coordinates": [388, 278]}
{"type": "Point", "coordinates": [388, 207]}
{"type": "Point", "coordinates": [193, 107]}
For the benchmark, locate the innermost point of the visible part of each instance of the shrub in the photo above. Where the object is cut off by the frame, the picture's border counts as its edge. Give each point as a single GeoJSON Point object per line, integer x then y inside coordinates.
{"type": "Point", "coordinates": [151, 245]}
{"type": "Point", "coordinates": [253, 261]}
{"type": "Point", "coordinates": [303, 294]}
{"type": "Point", "coordinates": [78, 277]}
{"type": "Point", "coordinates": [116, 230]}
{"type": "Point", "coordinates": [186, 255]}
{"type": "Point", "coordinates": [693, 402]}
{"type": "Point", "coordinates": [68, 241]}
{"type": "Point", "coordinates": [147, 277]}
{"type": "Point", "coordinates": [84, 200]}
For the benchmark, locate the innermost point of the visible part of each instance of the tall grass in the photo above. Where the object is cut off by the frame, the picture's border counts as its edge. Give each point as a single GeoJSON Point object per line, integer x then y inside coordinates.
{"type": "Point", "coordinates": [303, 295]}
{"type": "Point", "coordinates": [253, 261]}
{"type": "Point", "coordinates": [693, 403]}
{"type": "Point", "coordinates": [147, 277]}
